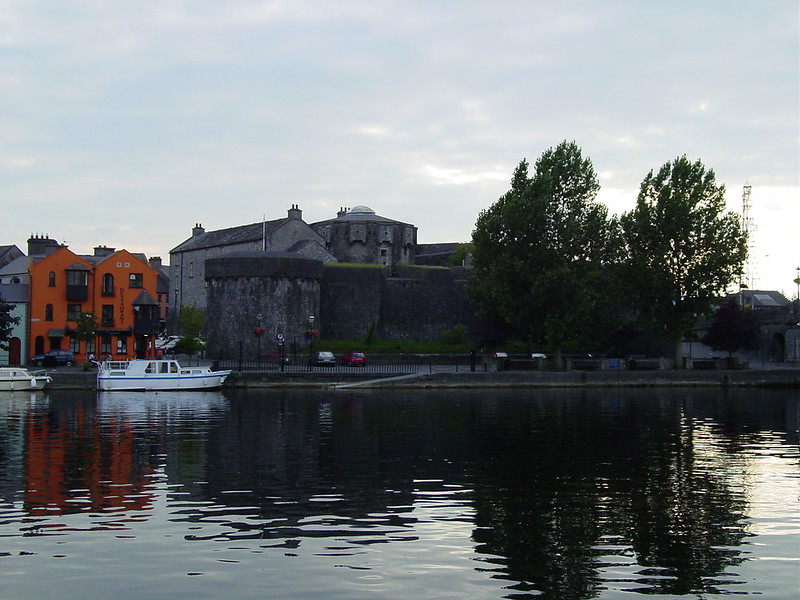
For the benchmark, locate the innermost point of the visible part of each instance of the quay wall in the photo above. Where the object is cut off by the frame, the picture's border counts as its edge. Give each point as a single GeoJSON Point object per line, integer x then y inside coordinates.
{"type": "Point", "coordinates": [75, 378]}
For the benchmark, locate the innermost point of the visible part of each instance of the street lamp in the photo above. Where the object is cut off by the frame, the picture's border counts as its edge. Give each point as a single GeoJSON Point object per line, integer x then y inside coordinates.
{"type": "Point", "coordinates": [259, 331]}
{"type": "Point", "coordinates": [310, 339]}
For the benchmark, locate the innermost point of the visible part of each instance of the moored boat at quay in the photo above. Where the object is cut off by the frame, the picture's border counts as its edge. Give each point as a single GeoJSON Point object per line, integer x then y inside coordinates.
{"type": "Point", "coordinates": [20, 379]}
{"type": "Point", "coordinates": [151, 375]}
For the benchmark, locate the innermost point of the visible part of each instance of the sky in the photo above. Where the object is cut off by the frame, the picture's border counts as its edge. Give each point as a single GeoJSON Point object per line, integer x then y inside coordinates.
{"type": "Point", "coordinates": [125, 123]}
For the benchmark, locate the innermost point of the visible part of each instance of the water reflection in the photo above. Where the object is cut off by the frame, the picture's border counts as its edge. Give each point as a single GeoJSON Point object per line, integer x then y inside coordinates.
{"type": "Point", "coordinates": [559, 494]}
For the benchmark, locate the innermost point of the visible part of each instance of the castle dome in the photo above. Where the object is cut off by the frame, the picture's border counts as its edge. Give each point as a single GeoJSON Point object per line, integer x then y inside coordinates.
{"type": "Point", "coordinates": [361, 210]}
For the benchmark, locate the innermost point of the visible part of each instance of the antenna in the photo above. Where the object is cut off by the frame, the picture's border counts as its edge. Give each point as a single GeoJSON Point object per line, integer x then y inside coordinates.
{"type": "Point", "coordinates": [751, 269]}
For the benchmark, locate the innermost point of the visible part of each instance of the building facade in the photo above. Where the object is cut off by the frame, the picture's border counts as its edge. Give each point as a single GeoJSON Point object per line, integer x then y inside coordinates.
{"type": "Point", "coordinates": [117, 286]}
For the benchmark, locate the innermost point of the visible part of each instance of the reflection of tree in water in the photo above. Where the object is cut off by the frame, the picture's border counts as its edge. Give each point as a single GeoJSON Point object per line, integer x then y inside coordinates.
{"type": "Point", "coordinates": [581, 473]}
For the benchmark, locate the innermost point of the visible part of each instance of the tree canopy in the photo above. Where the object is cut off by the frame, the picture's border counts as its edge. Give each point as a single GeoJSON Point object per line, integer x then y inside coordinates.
{"type": "Point", "coordinates": [732, 329]}
{"type": "Point", "coordinates": [682, 249]}
{"type": "Point", "coordinates": [7, 323]}
{"type": "Point", "coordinates": [191, 322]}
{"type": "Point", "coordinates": [541, 251]}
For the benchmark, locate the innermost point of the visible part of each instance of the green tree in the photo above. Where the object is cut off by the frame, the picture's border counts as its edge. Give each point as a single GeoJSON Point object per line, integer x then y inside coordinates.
{"type": "Point", "coordinates": [461, 255]}
{"type": "Point", "coordinates": [543, 252]}
{"type": "Point", "coordinates": [732, 329]}
{"type": "Point", "coordinates": [86, 327]}
{"type": "Point", "coordinates": [683, 250]}
{"type": "Point", "coordinates": [7, 323]}
{"type": "Point", "coordinates": [191, 321]}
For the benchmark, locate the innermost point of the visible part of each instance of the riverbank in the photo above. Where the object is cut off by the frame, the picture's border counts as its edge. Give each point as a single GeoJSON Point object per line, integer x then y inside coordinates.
{"type": "Point", "coordinates": [71, 378]}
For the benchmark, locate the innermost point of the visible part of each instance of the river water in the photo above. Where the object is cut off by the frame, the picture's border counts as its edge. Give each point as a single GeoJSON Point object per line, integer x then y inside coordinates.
{"type": "Point", "coordinates": [554, 494]}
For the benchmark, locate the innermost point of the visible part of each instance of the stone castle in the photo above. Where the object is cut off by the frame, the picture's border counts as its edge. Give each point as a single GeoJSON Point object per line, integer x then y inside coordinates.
{"type": "Point", "coordinates": [349, 277]}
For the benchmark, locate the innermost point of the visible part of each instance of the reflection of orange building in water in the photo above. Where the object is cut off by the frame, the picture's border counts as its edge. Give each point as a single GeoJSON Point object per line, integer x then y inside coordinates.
{"type": "Point", "coordinates": [118, 287]}
{"type": "Point", "coordinates": [72, 466]}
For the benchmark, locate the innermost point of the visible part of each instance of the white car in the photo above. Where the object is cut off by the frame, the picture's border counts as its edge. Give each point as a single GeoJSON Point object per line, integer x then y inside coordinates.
{"type": "Point", "coordinates": [167, 343]}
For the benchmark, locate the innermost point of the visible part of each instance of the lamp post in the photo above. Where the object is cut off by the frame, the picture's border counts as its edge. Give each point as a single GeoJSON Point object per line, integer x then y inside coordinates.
{"type": "Point", "coordinates": [259, 332]}
{"type": "Point", "coordinates": [310, 339]}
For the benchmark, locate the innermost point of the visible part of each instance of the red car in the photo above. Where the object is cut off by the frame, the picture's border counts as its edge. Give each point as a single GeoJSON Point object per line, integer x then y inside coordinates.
{"type": "Point", "coordinates": [353, 359]}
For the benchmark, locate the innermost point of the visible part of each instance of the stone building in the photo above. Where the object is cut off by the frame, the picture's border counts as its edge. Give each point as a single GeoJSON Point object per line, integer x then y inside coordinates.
{"type": "Point", "coordinates": [358, 235]}
{"type": "Point", "coordinates": [187, 260]}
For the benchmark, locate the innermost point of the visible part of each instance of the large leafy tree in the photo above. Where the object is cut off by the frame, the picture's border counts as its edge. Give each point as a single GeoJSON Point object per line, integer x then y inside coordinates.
{"type": "Point", "coordinates": [541, 252]}
{"type": "Point", "coordinates": [7, 323]}
{"type": "Point", "coordinates": [683, 249]}
{"type": "Point", "coordinates": [732, 329]}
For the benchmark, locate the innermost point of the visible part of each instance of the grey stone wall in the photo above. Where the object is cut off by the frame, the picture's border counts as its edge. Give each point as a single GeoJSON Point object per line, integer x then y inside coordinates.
{"type": "Point", "coordinates": [422, 303]}
{"type": "Point", "coordinates": [350, 300]}
{"type": "Point", "coordinates": [401, 303]}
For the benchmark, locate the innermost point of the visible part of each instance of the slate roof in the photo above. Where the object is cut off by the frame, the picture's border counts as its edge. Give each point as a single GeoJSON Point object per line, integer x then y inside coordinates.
{"type": "Point", "coordinates": [14, 292]}
{"type": "Point", "coordinates": [9, 253]}
{"type": "Point", "coordinates": [227, 237]}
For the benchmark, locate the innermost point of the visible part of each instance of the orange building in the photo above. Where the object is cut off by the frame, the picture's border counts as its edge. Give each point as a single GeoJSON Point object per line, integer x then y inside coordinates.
{"type": "Point", "coordinates": [117, 286]}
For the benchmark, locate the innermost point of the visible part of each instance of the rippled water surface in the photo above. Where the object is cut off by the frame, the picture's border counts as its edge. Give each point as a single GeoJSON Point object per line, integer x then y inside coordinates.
{"type": "Point", "coordinates": [557, 494]}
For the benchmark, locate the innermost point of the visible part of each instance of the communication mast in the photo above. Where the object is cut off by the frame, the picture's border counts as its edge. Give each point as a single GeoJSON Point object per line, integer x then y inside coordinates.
{"type": "Point", "coordinates": [750, 277]}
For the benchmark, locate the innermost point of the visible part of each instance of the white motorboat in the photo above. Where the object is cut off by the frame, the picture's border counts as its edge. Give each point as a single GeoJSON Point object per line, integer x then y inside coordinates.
{"type": "Point", "coordinates": [149, 375]}
{"type": "Point", "coordinates": [19, 378]}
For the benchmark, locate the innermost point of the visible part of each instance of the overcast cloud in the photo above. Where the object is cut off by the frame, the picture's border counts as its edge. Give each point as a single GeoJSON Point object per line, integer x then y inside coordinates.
{"type": "Point", "coordinates": [126, 123]}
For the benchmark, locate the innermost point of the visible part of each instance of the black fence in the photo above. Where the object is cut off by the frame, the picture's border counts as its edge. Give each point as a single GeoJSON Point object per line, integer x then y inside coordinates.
{"type": "Point", "coordinates": [384, 366]}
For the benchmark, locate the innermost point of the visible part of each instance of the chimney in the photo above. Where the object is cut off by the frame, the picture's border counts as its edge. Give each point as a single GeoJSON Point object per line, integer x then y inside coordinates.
{"type": "Point", "coordinates": [41, 245]}
{"type": "Point", "coordinates": [342, 212]}
{"type": "Point", "coordinates": [197, 230]}
{"type": "Point", "coordinates": [155, 262]}
{"type": "Point", "coordinates": [295, 212]}
{"type": "Point", "coordinates": [104, 251]}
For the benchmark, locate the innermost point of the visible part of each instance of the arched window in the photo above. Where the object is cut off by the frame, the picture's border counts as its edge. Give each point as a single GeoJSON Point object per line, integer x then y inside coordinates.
{"type": "Point", "coordinates": [108, 285]}
{"type": "Point", "coordinates": [48, 312]}
{"type": "Point", "coordinates": [52, 279]}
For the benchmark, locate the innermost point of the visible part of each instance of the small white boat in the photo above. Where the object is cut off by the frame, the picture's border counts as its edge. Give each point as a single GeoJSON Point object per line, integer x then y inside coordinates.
{"type": "Point", "coordinates": [18, 378]}
{"type": "Point", "coordinates": [149, 375]}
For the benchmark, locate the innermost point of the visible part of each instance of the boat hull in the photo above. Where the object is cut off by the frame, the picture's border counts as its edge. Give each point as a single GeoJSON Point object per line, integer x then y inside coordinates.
{"type": "Point", "coordinates": [157, 375]}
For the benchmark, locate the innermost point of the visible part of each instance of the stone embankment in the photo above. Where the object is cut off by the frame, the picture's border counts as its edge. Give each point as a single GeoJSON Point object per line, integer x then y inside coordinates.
{"type": "Point", "coordinates": [72, 378]}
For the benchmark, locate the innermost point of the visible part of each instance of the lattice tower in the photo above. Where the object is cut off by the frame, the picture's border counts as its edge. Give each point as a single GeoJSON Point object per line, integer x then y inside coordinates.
{"type": "Point", "coordinates": [750, 277]}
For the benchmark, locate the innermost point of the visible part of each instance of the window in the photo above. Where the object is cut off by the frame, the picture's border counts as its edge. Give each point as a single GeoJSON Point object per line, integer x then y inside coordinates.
{"type": "Point", "coordinates": [105, 344]}
{"type": "Point", "coordinates": [73, 312]}
{"type": "Point", "coordinates": [51, 279]}
{"type": "Point", "coordinates": [191, 268]}
{"type": "Point", "coordinates": [15, 280]}
{"type": "Point", "coordinates": [107, 316]}
{"type": "Point", "coordinates": [122, 345]}
{"type": "Point", "coordinates": [75, 345]}
{"type": "Point", "coordinates": [108, 285]}
{"type": "Point", "coordinates": [48, 312]}
{"type": "Point", "coordinates": [77, 278]}
{"type": "Point", "coordinates": [90, 347]}
{"type": "Point", "coordinates": [136, 280]}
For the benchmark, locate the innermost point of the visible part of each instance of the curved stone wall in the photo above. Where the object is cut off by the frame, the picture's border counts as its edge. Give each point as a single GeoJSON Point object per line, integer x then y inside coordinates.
{"type": "Point", "coordinates": [283, 288]}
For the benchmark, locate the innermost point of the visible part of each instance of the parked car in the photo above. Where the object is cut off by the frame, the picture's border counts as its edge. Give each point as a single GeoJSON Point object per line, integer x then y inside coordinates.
{"type": "Point", "coordinates": [167, 343]}
{"type": "Point", "coordinates": [353, 359]}
{"type": "Point", "coordinates": [323, 359]}
{"type": "Point", "coordinates": [53, 358]}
